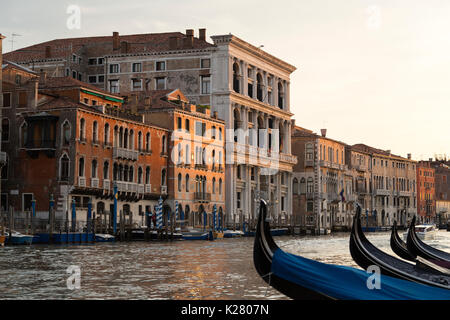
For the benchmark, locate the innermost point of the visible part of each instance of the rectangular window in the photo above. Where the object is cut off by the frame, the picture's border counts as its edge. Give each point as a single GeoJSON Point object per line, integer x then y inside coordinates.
{"type": "Point", "coordinates": [101, 79]}
{"type": "Point", "coordinates": [250, 90]}
{"type": "Point", "coordinates": [26, 201]}
{"type": "Point", "coordinates": [80, 77]}
{"type": "Point", "coordinates": [179, 126]}
{"type": "Point", "coordinates": [92, 61]}
{"type": "Point", "coordinates": [86, 100]}
{"type": "Point", "coordinates": [101, 61]}
{"type": "Point", "coordinates": [186, 125]}
{"type": "Point", "coordinates": [114, 86]}
{"type": "Point", "coordinates": [160, 83]}
{"type": "Point", "coordinates": [200, 128]}
{"type": "Point", "coordinates": [4, 201]}
{"type": "Point", "coordinates": [137, 84]}
{"type": "Point", "coordinates": [238, 202]}
{"type": "Point", "coordinates": [92, 79]}
{"type": "Point", "coordinates": [114, 68]}
{"type": "Point", "coordinates": [7, 100]}
{"type": "Point", "coordinates": [206, 84]}
{"type": "Point", "coordinates": [206, 63]}
{"type": "Point", "coordinates": [160, 65]}
{"type": "Point", "coordinates": [137, 67]}
{"type": "Point", "coordinates": [74, 74]}
{"type": "Point", "coordinates": [310, 206]}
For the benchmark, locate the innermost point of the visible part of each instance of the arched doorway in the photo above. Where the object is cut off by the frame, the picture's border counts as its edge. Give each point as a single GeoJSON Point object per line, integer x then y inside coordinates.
{"type": "Point", "coordinates": [187, 215]}
{"type": "Point", "coordinates": [201, 212]}
{"type": "Point", "coordinates": [167, 212]}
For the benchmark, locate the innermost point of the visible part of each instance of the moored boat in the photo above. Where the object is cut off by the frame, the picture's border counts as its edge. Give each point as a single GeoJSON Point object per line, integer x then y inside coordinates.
{"type": "Point", "coordinates": [418, 248]}
{"type": "Point", "coordinates": [2, 240]}
{"type": "Point", "coordinates": [102, 237]}
{"type": "Point", "coordinates": [195, 235]}
{"type": "Point", "coordinates": [398, 246]}
{"type": "Point", "coordinates": [365, 254]}
{"type": "Point", "coordinates": [18, 238]}
{"type": "Point", "coordinates": [423, 231]}
{"type": "Point", "coordinates": [302, 278]}
{"type": "Point", "coordinates": [232, 234]}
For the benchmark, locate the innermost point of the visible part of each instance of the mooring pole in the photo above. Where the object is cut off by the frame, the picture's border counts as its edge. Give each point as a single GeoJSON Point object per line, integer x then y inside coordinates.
{"type": "Point", "coordinates": [115, 210]}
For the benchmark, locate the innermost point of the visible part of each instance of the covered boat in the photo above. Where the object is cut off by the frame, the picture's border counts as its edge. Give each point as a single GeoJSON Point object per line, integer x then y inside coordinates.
{"type": "Point", "coordinates": [301, 278]}
{"type": "Point", "coordinates": [399, 246]}
{"type": "Point", "coordinates": [365, 254]}
{"type": "Point", "coordinates": [418, 248]}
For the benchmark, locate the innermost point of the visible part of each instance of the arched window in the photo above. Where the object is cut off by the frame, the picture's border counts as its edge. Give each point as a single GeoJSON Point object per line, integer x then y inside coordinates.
{"type": "Point", "coordinates": [187, 158]}
{"type": "Point", "coordinates": [140, 173]}
{"type": "Point", "coordinates": [237, 123]}
{"type": "Point", "coordinates": [220, 186]}
{"type": "Point", "coordinates": [163, 144]}
{"type": "Point", "coordinates": [187, 183]}
{"type": "Point", "coordinates": [302, 186]}
{"type": "Point", "coordinates": [94, 169]}
{"type": "Point", "coordinates": [4, 172]}
{"type": "Point", "coordinates": [64, 168]}
{"type": "Point", "coordinates": [147, 175]}
{"type": "Point", "coordinates": [259, 87]}
{"type": "Point", "coordinates": [82, 129]}
{"type": "Point", "coordinates": [81, 167]}
{"type": "Point", "coordinates": [106, 134]}
{"type": "Point", "coordinates": [106, 170]}
{"type": "Point", "coordinates": [310, 185]}
{"type": "Point", "coordinates": [140, 141]}
{"type": "Point", "coordinates": [116, 172]}
{"type": "Point", "coordinates": [213, 185]}
{"type": "Point", "coordinates": [94, 132]}
{"type": "Point", "coordinates": [5, 129]}
{"type": "Point", "coordinates": [295, 186]}
{"type": "Point", "coordinates": [125, 139]}
{"type": "Point", "coordinates": [147, 142]}
{"type": "Point", "coordinates": [131, 174]}
{"type": "Point", "coordinates": [163, 177]}
{"type": "Point", "coordinates": [179, 182]}
{"type": "Point", "coordinates": [66, 133]}
{"type": "Point", "coordinates": [121, 137]}
{"type": "Point", "coordinates": [236, 78]}
{"type": "Point", "coordinates": [131, 145]}
{"type": "Point", "coordinates": [280, 95]}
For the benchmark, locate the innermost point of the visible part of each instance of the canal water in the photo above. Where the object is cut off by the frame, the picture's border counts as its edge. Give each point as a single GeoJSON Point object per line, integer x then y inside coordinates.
{"type": "Point", "coordinates": [221, 269]}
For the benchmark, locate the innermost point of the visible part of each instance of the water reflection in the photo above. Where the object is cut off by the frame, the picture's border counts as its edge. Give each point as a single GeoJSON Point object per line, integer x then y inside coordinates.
{"type": "Point", "coordinates": [178, 270]}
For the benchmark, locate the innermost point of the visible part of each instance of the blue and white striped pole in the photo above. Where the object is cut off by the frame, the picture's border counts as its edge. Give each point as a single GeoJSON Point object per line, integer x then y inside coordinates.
{"type": "Point", "coordinates": [159, 214]}
{"type": "Point", "coordinates": [214, 217]}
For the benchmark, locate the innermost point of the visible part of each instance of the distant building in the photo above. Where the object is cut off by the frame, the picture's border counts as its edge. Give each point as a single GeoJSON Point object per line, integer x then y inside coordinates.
{"type": "Point", "coordinates": [72, 142]}
{"type": "Point", "coordinates": [426, 200]}
{"type": "Point", "coordinates": [196, 154]}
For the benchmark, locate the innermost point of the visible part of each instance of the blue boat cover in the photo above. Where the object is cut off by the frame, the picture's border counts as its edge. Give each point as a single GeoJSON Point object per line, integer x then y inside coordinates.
{"type": "Point", "coordinates": [346, 283]}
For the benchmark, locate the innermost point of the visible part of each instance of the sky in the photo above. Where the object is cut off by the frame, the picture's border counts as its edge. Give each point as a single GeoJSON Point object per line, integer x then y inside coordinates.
{"type": "Point", "coordinates": [369, 71]}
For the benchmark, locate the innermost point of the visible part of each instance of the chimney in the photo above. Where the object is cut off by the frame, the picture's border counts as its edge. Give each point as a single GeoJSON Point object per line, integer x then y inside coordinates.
{"type": "Point", "coordinates": [48, 52]}
{"type": "Point", "coordinates": [409, 156]}
{"type": "Point", "coordinates": [189, 40]}
{"type": "Point", "coordinates": [215, 115]}
{"type": "Point", "coordinates": [388, 151]}
{"type": "Point", "coordinates": [116, 41]}
{"type": "Point", "coordinates": [323, 132]}
{"type": "Point", "coordinates": [202, 34]}
{"type": "Point", "coordinates": [43, 76]}
{"type": "Point", "coordinates": [173, 43]}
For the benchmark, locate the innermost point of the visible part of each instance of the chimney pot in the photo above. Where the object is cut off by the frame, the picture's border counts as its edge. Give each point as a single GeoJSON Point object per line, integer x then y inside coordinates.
{"type": "Point", "coordinates": [190, 32]}
{"type": "Point", "coordinates": [323, 132]}
{"type": "Point", "coordinates": [409, 156]}
{"type": "Point", "coordinates": [202, 34]}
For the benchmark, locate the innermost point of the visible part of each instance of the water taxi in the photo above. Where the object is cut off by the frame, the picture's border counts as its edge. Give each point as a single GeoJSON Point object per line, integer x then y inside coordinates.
{"type": "Point", "coordinates": [423, 231]}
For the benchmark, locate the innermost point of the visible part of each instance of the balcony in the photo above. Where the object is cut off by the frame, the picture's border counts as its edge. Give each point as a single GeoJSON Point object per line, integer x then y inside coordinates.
{"type": "Point", "coordinates": [381, 192]}
{"type": "Point", "coordinates": [310, 195]}
{"type": "Point", "coordinates": [288, 158]}
{"type": "Point", "coordinates": [140, 188]}
{"type": "Point", "coordinates": [106, 184]}
{"type": "Point", "coordinates": [202, 196]}
{"type": "Point", "coordinates": [121, 153]}
{"type": "Point", "coordinates": [82, 182]}
{"type": "Point", "coordinates": [309, 163]}
{"type": "Point", "coordinates": [148, 188]}
{"type": "Point", "coordinates": [360, 167]}
{"type": "Point", "coordinates": [333, 197]}
{"type": "Point", "coordinates": [163, 189]}
{"type": "Point", "coordinates": [94, 182]}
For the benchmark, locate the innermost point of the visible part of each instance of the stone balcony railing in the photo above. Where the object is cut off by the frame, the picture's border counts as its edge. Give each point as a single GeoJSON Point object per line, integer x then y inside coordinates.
{"type": "Point", "coordinates": [82, 182]}
{"type": "Point", "coordinates": [148, 188]}
{"type": "Point", "coordinates": [309, 163]}
{"type": "Point", "coordinates": [106, 184]}
{"type": "Point", "coordinates": [202, 196]}
{"type": "Point", "coordinates": [163, 189]}
{"type": "Point", "coordinates": [382, 192]}
{"type": "Point", "coordinates": [94, 182]}
{"type": "Point", "coordinates": [121, 153]}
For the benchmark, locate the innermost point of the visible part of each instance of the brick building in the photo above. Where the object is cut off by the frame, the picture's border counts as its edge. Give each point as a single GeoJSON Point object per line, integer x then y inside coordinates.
{"type": "Point", "coordinates": [72, 141]}
{"type": "Point", "coordinates": [247, 87]}
{"type": "Point", "coordinates": [196, 153]}
{"type": "Point", "coordinates": [426, 201]}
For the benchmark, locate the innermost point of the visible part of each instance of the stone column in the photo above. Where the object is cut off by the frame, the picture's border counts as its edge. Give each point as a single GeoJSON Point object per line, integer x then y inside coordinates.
{"type": "Point", "coordinates": [244, 78]}
{"type": "Point", "coordinates": [230, 73]}
{"type": "Point", "coordinates": [275, 91]}
{"type": "Point", "coordinates": [287, 96]}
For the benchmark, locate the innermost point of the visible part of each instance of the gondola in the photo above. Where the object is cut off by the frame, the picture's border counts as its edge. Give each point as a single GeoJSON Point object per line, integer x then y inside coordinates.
{"type": "Point", "coordinates": [418, 248]}
{"type": "Point", "coordinates": [399, 246]}
{"type": "Point", "coordinates": [365, 254]}
{"type": "Point", "coordinates": [302, 278]}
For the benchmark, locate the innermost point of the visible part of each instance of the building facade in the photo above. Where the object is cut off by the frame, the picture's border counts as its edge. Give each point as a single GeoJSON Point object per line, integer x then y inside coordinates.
{"type": "Point", "coordinates": [426, 201]}
{"type": "Point", "coordinates": [84, 145]}
{"type": "Point", "coordinates": [247, 87]}
{"type": "Point", "coordinates": [196, 155]}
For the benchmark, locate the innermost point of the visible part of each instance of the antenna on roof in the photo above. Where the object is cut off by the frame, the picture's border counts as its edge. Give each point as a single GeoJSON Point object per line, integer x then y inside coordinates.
{"type": "Point", "coordinates": [12, 40]}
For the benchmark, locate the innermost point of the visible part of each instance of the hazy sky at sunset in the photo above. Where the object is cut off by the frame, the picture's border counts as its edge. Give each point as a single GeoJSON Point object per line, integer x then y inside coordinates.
{"type": "Point", "coordinates": [376, 72]}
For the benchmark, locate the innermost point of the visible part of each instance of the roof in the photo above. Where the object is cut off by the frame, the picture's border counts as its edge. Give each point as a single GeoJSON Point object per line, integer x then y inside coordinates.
{"type": "Point", "coordinates": [69, 82]}
{"type": "Point", "coordinates": [7, 64]}
{"type": "Point", "coordinates": [137, 43]}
